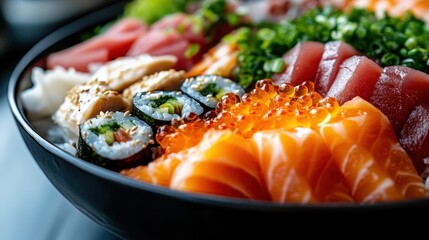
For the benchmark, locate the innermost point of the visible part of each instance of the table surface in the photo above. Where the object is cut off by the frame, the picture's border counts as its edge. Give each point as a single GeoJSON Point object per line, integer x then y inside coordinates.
{"type": "Point", "coordinates": [30, 207]}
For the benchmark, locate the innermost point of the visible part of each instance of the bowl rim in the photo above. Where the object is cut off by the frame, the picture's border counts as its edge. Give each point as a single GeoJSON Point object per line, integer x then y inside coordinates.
{"type": "Point", "coordinates": [99, 15]}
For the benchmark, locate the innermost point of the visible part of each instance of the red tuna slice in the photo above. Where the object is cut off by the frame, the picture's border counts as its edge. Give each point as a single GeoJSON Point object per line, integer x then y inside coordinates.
{"type": "Point", "coordinates": [415, 136]}
{"type": "Point", "coordinates": [333, 55]}
{"type": "Point", "coordinates": [185, 26]}
{"type": "Point", "coordinates": [181, 23]}
{"type": "Point", "coordinates": [115, 42]}
{"type": "Point", "coordinates": [398, 91]}
{"type": "Point", "coordinates": [356, 77]}
{"type": "Point", "coordinates": [160, 42]}
{"type": "Point", "coordinates": [172, 35]}
{"type": "Point", "coordinates": [80, 62]}
{"type": "Point", "coordinates": [172, 21]}
{"type": "Point", "coordinates": [302, 62]}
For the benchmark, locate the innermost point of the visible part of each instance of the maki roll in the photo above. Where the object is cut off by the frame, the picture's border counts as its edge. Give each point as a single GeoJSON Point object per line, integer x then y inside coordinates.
{"type": "Point", "coordinates": [160, 107]}
{"type": "Point", "coordinates": [209, 89]}
{"type": "Point", "coordinates": [115, 140]}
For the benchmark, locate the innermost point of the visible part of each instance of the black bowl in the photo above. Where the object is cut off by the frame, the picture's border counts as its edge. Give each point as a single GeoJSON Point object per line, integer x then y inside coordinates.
{"type": "Point", "coordinates": [133, 209]}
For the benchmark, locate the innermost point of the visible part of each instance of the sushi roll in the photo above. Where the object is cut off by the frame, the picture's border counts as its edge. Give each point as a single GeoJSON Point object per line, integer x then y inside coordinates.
{"type": "Point", "coordinates": [160, 107]}
{"type": "Point", "coordinates": [209, 89]}
{"type": "Point", "coordinates": [115, 140]}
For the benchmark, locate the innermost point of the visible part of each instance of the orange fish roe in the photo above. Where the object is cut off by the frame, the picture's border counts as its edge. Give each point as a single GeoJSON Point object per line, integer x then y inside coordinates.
{"type": "Point", "coordinates": [266, 107]}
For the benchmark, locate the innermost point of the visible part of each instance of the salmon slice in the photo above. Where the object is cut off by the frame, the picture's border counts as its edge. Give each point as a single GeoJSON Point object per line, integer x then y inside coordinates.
{"type": "Point", "coordinates": [219, 60]}
{"type": "Point", "coordinates": [334, 54]}
{"type": "Point", "coordinates": [224, 165]}
{"type": "Point", "coordinates": [302, 62]}
{"type": "Point", "coordinates": [408, 87]}
{"type": "Point", "coordinates": [365, 148]}
{"type": "Point", "coordinates": [157, 172]}
{"type": "Point", "coordinates": [297, 167]}
{"type": "Point", "coordinates": [414, 137]}
{"type": "Point", "coordinates": [356, 77]}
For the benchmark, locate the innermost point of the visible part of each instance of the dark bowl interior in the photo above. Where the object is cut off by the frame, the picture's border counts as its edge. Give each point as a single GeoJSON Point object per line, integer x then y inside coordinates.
{"type": "Point", "coordinates": [133, 209]}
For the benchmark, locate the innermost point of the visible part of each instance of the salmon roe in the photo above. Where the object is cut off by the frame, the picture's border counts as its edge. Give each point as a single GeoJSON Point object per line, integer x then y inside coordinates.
{"type": "Point", "coordinates": [266, 107]}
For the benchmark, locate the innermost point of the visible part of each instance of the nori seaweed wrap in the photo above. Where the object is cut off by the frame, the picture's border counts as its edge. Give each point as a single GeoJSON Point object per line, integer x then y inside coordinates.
{"type": "Point", "coordinates": [115, 140]}
{"type": "Point", "coordinates": [209, 89]}
{"type": "Point", "coordinates": [160, 107]}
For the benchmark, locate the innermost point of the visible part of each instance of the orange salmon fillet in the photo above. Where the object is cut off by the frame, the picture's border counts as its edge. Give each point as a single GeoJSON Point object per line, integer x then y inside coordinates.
{"type": "Point", "coordinates": [223, 165]}
{"type": "Point", "coordinates": [297, 167]}
{"type": "Point", "coordinates": [157, 172]}
{"type": "Point", "coordinates": [364, 146]}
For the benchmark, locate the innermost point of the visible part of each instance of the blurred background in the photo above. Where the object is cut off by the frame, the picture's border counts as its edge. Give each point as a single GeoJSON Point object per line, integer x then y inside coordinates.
{"type": "Point", "coordinates": [30, 207]}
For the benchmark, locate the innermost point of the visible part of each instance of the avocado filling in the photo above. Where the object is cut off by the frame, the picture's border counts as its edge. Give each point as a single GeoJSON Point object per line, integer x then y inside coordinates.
{"type": "Point", "coordinates": [111, 130]}
{"type": "Point", "coordinates": [167, 104]}
{"type": "Point", "coordinates": [212, 90]}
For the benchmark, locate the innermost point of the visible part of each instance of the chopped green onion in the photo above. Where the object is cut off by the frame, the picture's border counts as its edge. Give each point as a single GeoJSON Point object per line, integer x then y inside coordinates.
{"type": "Point", "coordinates": [390, 59]}
{"type": "Point", "coordinates": [276, 65]}
{"type": "Point", "coordinates": [192, 50]}
{"type": "Point", "coordinates": [411, 43]}
{"type": "Point", "coordinates": [390, 40]}
{"type": "Point", "coordinates": [418, 54]}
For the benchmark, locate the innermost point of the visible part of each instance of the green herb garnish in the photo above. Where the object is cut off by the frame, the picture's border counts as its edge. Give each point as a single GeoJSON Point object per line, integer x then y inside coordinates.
{"type": "Point", "coordinates": [192, 50]}
{"type": "Point", "coordinates": [389, 40]}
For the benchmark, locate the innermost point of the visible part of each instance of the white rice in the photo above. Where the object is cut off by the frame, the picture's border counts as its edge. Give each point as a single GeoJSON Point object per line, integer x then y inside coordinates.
{"type": "Point", "coordinates": [118, 150]}
{"type": "Point", "coordinates": [193, 86]}
{"type": "Point", "coordinates": [143, 101]}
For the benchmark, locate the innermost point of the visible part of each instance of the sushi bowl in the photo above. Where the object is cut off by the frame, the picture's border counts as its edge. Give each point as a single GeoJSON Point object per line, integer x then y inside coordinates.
{"type": "Point", "coordinates": [135, 210]}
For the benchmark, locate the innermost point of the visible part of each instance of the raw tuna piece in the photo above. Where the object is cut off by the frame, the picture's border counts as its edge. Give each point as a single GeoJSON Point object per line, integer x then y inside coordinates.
{"type": "Point", "coordinates": [182, 24]}
{"type": "Point", "coordinates": [398, 91]}
{"type": "Point", "coordinates": [301, 63]}
{"type": "Point", "coordinates": [333, 55]}
{"type": "Point", "coordinates": [356, 77]}
{"type": "Point", "coordinates": [114, 43]}
{"type": "Point", "coordinates": [415, 136]}
{"type": "Point", "coordinates": [159, 42]}
{"type": "Point", "coordinates": [172, 35]}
